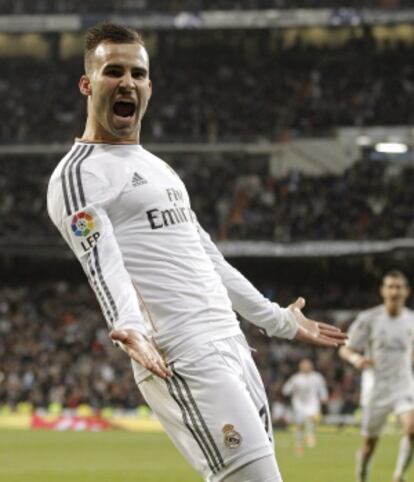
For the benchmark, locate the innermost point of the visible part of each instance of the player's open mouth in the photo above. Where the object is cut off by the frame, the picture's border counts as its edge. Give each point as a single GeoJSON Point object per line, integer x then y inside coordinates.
{"type": "Point", "coordinates": [124, 108]}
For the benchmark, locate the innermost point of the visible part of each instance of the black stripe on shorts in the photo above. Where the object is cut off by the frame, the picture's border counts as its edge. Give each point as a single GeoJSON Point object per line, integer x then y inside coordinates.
{"type": "Point", "coordinates": [192, 427]}
{"type": "Point", "coordinates": [200, 418]}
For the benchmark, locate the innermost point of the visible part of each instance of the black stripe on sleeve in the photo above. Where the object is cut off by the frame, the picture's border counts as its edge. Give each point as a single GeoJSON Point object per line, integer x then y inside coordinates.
{"type": "Point", "coordinates": [102, 281]}
{"type": "Point", "coordinates": [72, 157]}
{"type": "Point", "coordinates": [91, 273]}
{"type": "Point", "coordinates": [200, 417]}
{"type": "Point", "coordinates": [74, 168]}
{"type": "Point", "coordinates": [195, 432]}
{"type": "Point", "coordinates": [79, 178]}
{"type": "Point", "coordinates": [69, 174]}
{"type": "Point", "coordinates": [97, 279]}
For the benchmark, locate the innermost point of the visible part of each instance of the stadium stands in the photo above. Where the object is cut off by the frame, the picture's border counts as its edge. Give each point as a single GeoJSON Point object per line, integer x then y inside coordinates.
{"type": "Point", "coordinates": [226, 87]}
{"type": "Point", "coordinates": [116, 6]}
{"type": "Point", "coordinates": [238, 198]}
{"type": "Point", "coordinates": [54, 348]}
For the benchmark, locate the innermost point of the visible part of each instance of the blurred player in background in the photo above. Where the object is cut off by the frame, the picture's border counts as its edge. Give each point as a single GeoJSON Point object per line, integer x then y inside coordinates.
{"type": "Point", "coordinates": [307, 390]}
{"type": "Point", "coordinates": [381, 346]}
{"type": "Point", "coordinates": [165, 290]}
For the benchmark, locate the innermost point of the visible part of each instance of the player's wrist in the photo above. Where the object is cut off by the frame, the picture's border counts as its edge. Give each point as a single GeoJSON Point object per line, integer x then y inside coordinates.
{"type": "Point", "coordinates": [355, 359]}
{"type": "Point", "coordinates": [290, 323]}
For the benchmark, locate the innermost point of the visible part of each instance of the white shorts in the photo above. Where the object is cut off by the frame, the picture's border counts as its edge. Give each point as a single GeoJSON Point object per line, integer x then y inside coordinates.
{"type": "Point", "coordinates": [302, 411]}
{"type": "Point", "coordinates": [214, 408]}
{"type": "Point", "coordinates": [374, 415]}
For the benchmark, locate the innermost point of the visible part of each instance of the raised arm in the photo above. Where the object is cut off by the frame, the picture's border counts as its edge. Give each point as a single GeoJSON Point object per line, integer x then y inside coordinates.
{"type": "Point", "coordinates": [289, 323]}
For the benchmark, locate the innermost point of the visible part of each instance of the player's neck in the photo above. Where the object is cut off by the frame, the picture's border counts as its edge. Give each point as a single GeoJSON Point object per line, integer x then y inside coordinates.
{"type": "Point", "coordinates": [94, 133]}
{"type": "Point", "coordinates": [393, 310]}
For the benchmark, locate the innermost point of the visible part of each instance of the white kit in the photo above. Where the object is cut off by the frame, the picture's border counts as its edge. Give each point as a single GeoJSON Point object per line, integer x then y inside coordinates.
{"type": "Point", "coordinates": [389, 384]}
{"type": "Point", "coordinates": [127, 217]}
{"type": "Point", "coordinates": [307, 391]}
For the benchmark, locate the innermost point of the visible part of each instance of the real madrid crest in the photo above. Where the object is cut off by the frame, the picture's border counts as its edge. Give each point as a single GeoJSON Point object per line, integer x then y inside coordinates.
{"type": "Point", "coordinates": [232, 439]}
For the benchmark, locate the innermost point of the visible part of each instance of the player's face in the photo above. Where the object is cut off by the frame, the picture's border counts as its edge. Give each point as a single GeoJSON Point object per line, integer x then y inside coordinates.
{"type": "Point", "coordinates": [305, 366]}
{"type": "Point", "coordinates": [394, 292]}
{"type": "Point", "coordinates": [119, 88]}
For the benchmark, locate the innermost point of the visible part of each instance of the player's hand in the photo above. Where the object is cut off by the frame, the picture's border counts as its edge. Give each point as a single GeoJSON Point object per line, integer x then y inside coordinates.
{"type": "Point", "coordinates": [141, 349]}
{"type": "Point", "coordinates": [314, 332]}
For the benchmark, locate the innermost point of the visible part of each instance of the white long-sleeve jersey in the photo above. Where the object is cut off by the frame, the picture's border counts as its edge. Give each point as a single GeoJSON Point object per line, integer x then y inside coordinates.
{"type": "Point", "coordinates": [127, 217]}
{"type": "Point", "coordinates": [389, 341]}
{"type": "Point", "coordinates": [307, 390]}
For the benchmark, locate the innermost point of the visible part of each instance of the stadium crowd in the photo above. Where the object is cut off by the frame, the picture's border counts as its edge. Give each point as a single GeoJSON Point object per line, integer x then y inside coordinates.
{"type": "Point", "coordinates": [371, 200]}
{"type": "Point", "coordinates": [61, 353]}
{"type": "Point", "coordinates": [54, 348]}
{"type": "Point", "coordinates": [225, 87]}
{"type": "Point", "coordinates": [175, 6]}
{"type": "Point", "coordinates": [238, 198]}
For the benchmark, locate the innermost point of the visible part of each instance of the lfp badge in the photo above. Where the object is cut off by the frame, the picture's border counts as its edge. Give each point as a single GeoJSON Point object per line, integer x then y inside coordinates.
{"type": "Point", "coordinates": [82, 223]}
{"type": "Point", "coordinates": [85, 230]}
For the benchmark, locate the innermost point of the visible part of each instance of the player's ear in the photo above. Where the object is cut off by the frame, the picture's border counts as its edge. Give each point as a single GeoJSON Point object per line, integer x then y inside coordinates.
{"type": "Point", "coordinates": [150, 89]}
{"type": "Point", "coordinates": [85, 86]}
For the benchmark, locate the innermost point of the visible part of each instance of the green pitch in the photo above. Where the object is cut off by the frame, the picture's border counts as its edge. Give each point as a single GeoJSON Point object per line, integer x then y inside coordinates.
{"type": "Point", "coordinates": [136, 457]}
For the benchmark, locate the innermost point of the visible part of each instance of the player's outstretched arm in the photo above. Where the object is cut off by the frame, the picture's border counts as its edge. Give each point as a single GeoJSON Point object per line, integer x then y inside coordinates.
{"type": "Point", "coordinates": [359, 361]}
{"type": "Point", "coordinates": [286, 323]}
{"type": "Point", "coordinates": [141, 349]}
{"type": "Point", "coordinates": [314, 332]}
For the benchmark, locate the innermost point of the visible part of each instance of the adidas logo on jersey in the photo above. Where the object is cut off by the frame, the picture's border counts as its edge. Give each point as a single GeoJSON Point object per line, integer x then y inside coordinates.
{"type": "Point", "coordinates": [138, 180]}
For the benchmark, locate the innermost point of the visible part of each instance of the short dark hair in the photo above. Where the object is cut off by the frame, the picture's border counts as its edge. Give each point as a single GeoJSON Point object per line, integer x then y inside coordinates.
{"type": "Point", "coordinates": [395, 273]}
{"type": "Point", "coordinates": [108, 32]}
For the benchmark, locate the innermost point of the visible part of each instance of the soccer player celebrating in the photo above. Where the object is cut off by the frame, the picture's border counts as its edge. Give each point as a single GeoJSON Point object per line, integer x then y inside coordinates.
{"type": "Point", "coordinates": [307, 389]}
{"type": "Point", "coordinates": [381, 346]}
{"type": "Point", "coordinates": [165, 290]}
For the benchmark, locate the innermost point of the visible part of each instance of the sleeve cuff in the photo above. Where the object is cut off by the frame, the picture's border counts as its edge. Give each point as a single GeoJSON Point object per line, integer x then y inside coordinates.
{"type": "Point", "coordinates": [286, 326]}
{"type": "Point", "coordinates": [131, 325]}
